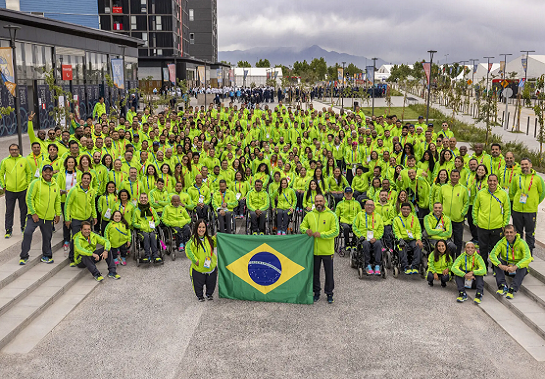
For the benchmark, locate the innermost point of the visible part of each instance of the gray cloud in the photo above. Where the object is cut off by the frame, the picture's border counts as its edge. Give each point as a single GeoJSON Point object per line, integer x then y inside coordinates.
{"type": "Point", "coordinates": [397, 31]}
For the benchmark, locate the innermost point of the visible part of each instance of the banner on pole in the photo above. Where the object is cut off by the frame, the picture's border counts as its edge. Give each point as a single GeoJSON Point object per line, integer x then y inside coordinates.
{"type": "Point", "coordinates": [245, 73]}
{"type": "Point", "coordinates": [524, 62]}
{"type": "Point", "coordinates": [117, 73]}
{"type": "Point", "coordinates": [502, 67]}
{"type": "Point", "coordinates": [427, 69]}
{"type": "Point", "coordinates": [340, 74]}
{"type": "Point", "coordinates": [370, 72]}
{"type": "Point", "coordinates": [475, 67]}
{"type": "Point", "coordinates": [522, 82]}
{"type": "Point", "coordinates": [172, 73]}
{"type": "Point", "coordinates": [490, 67]}
{"type": "Point", "coordinates": [200, 71]}
{"type": "Point", "coordinates": [6, 69]}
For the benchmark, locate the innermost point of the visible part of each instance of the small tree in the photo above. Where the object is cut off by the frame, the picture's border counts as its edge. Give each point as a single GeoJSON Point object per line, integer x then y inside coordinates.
{"type": "Point", "coordinates": [539, 111]}
{"type": "Point", "coordinates": [60, 112]}
{"type": "Point", "coordinates": [263, 63]}
{"type": "Point", "coordinates": [243, 64]}
{"type": "Point", "coordinates": [488, 111]}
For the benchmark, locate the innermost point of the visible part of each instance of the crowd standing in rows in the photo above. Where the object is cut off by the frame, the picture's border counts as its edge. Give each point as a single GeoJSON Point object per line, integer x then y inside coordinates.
{"type": "Point", "coordinates": [387, 182]}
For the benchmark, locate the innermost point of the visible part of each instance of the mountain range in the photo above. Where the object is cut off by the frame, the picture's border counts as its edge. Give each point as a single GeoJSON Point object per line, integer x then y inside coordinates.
{"type": "Point", "coordinates": [287, 55]}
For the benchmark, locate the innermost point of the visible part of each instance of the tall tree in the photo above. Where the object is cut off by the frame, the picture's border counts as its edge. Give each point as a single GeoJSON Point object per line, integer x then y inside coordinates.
{"type": "Point", "coordinates": [243, 64]}
{"type": "Point", "coordinates": [263, 63]}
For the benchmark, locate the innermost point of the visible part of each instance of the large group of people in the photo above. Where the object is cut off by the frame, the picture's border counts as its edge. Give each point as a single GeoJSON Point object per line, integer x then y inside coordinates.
{"type": "Point", "coordinates": [373, 182]}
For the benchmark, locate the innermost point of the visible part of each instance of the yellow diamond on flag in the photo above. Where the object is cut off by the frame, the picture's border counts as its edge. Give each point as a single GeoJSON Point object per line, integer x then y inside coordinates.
{"type": "Point", "coordinates": [264, 268]}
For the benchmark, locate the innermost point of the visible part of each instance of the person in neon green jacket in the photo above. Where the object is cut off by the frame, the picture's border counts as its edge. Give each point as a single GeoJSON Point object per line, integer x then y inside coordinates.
{"type": "Point", "coordinates": [241, 188]}
{"type": "Point", "coordinates": [32, 134]}
{"type": "Point", "coordinates": [15, 177]}
{"type": "Point", "coordinates": [200, 196]}
{"type": "Point", "coordinates": [369, 228]}
{"type": "Point", "coordinates": [144, 221]}
{"type": "Point", "coordinates": [223, 203]}
{"type": "Point", "coordinates": [346, 211]}
{"type": "Point", "coordinates": [159, 196]}
{"type": "Point", "coordinates": [258, 203]}
{"type": "Point", "coordinates": [86, 253]}
{"type": "Point", "coordinates": [43, 200]}
{"type": "Point", "coordinates": [106, 205]}
{"type": "Point", "coordinates": [200, 251]}
{"type": "Point", "coordinates": [455, 200]}
{"type": "Point", "coordinates": [99, 109]}
{"type": "Point", "coordinates": [491, 213]}
{"type": "Point", "coordinates": [286, 201]}
{"type": "Point", "coordinates": [409, 234]}
{"type": "Point", "coordinates": [323, 225]}
{"type": "Point", "coordinates": [118, 233]}
{"type": "Point", "coordinates": [79, 207]}
{"type": "Point", "coordinates": [527, 191]}
{"type": "Point", "coordinates": [511, 255]}
{"type": "Point", "coordinates": [176, 217]}
{"type": "Point", "coordinates": [336, 184]}
{"type": "Point", "coordinates": [438, 226]}
{"type": "Point", "coordinates": [439, 263]}
{"type": "Point", "coordinates": [469, 270]}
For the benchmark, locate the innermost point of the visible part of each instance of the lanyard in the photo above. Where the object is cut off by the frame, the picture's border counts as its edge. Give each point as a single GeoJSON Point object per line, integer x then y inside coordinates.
{"type": "Point", "coordinates": [120, 231]}
{"type": "Point", "coordinates": [283, 193]}
{"type": "Point", "coordinates": [121, 176]}
{"type": "Point", "coordinates": [507, 251]}
{"type": "Point", "coordinates": [72, 179]}
{"type": "Point", "coordinates": [472, 264]}
{"type": "Point", "coordinates": [130, 183]}
{"type": "Point", "coordinates": [372, 221]}
{"type": "Point", "coordinates": [531, 181]}
{"type": "Point", "coordinates": [412, 221]}
{"type": "Point", "coordinates": [439, 221]}
{"type": "Point", "coordinates": [512, 169]}
{"type": "Point", "coordinates": [107, 203]}
{"type": "Point", "coordinates": [198, 189]}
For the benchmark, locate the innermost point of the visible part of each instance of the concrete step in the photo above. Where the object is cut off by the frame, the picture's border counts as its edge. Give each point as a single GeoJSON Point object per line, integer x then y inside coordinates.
{"type": "Point", "coordinates": [534, 289]}
{"type": "Point", "coordinates": [30, 336]}
{"type": "Point", "coordinates": [537, 269]}
{"type": "Point", "coordinates": [525, 336]}
{"type": "Point", "coordinates": [23, 285]}
{"type": "Point", "coordinates": [11, 270]}
{"type": "Point", "coordinates": [522, 306]}
{"type": "Point", "coordinates": [21, 314]}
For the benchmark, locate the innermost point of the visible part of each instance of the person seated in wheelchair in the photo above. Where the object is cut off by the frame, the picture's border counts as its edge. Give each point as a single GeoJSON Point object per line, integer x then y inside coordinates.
{"type": "Point", "coordinates": [439, 227]}
{"type": "Point", "coordinates": [469, 270]}
{"type": "Point", "coordinates": [310, 195]}
{"type": "Point", "coordinates": [384, 207]}
{"type": "Point", "coordinates": [200, 196]}
{"type": "Point", "coordinates": [369, 229]}
{"type": "Point", "coordinates": [511, 255]}
{"type": "Point", "coordinates": [409, 236]}
{"type": "Point", "coordinates": [336, 184]}
{"type": "Point", "coordinates": [185, 199]}
{"type": "Point", "coordinates": [439, 263]}
{"type": "Point", "coordinates": [175, 216]}
{"type": "Point", "coordinates": [144, 221]}
{"type": "Point", "coordinates": [241, 187]}
{"type": "Point", "coordinates": [286, 200]}
{"type": "Point", "coordinates": [258, 203]}
{"type": "Point", "coordinates": [347, 210]}
{"type": "Point", "coordinates": [223, 202]}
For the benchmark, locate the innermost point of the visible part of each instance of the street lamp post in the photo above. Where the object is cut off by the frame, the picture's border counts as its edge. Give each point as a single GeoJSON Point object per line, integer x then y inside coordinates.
{"type": "Point", "coordinates": [473, 60]}
{"type": "Point", "coordinates": [373, 90]}
{"type": "Point", "coordinates": [504, 64]}
{"type": "Point", "coordinates": [487, 92]}
{"type": "Point", "coordinates": [429, 84]}
{"type": "Point", "coordinates": [342, 89]}
{"type": "Point", "coordinates": [519, 92]}
{"type": "Point", "coordinates": [12, 34]}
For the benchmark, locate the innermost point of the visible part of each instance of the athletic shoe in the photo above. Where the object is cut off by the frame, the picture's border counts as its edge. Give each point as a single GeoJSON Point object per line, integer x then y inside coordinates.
{"type": "Point", "coordinates": [8, 235]}
{"type": "Point", "coordinates": [283, 233]}
{"type": "Point", "coordinates": [254, 233]}
{"type": "Point", "coordinates": [377, 270]}
{"type": "Point", "coordinates": [116, 261]}
{"type": "Point", "coordinates": [99, 278]}
{"type": "Point", "coordinates": [316, 296]}
{"type": "Point", "coordinates": [210, 298]}
{"type": "Point", "coordinates": [66, 245]}
{"type": "Point", "coordinates": [408, 271]}
{"type": "Point", "coordinates": [443, 284]}
{"type": "Point", "coordinates": [123, 261]}
{"type": "Point", "coordinates": [145, 260]}
{"type": "Point", "coordinates": [114, 276]}
{"type": "Point", "coordinates": [330, 299]}
{"type": "Point", "coordinates": [462, 297]}
{"type": "Point", "coordinates": [73, 264]}
{"type": "Point", "coordinates": [279, 233]}
{"type": "Point", "coordinates": [47, 260]}
{"type": "Point", "coordinates": [201, 299]}
{"type": "Point", "coordinates": [370, 270]}
{"type": "Point", "coordinates": [510, 294]}
{"type": "Point", "coordinates": [23, 262]}
{"type": "Point", "coordinates": [414, 271]}
{"type": "Point", "coordinates": [261, 233]}
{"type": "Point", "coordinates": [430, 283]}
{"type": "Point", "coordinates": [502, 290]}
{"type": "Point", "coordinates": [158, 260]}
{"type": "Point", "coordinates": [181, 247]}
{"type": "Point", "coordinates": [478, 298]}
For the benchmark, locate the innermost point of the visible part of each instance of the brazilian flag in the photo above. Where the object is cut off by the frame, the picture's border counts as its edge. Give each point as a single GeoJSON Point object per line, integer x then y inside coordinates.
{"type": "Point", "coordinates": [266, 268]}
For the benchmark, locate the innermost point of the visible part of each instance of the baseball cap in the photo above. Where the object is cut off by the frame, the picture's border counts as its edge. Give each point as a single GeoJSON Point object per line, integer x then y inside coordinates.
{"type": "Point", "coordinates": [135, 135]}
{"type": "Point", "coordinates": [155, 143]}
{"type": "Point", "coordinates": [354, 144]}
{"type": "Point", "coordinates": [348, 190]}
{"type": "Point", "coordinates": [419, 117]}
{"type": "Point", "coordinates": [47, 167]}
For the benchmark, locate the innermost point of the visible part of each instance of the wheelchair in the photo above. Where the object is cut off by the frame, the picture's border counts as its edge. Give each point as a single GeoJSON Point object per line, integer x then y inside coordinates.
{"type": "Point", "coordinates": [169, 241]}
{"type": "Point", "coordinates": [137, 246]}
{"type": "Point", "coordinates": [339, 242]}
{"type": "Point", "coordinates": [388, 246]}
{"type": "Point", "coordinates": [357, 261]}
{"type": "Point", "coordinates": [215, 221]}
{"type": "Point", "coordinates": [396, 260]}
{"type": "Point", "coordinates": [294, 221]}
{"type": "Point", "coordinates": [248, 222]}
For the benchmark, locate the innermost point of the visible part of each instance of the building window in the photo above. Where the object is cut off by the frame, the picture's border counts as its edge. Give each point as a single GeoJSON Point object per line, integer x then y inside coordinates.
{"type": "Point", "coordinates": [158, 24]}
{"type": "Point", "coordinates": [191, 15]}
{"type": "Point", "coordinates": [145, 38]}
{"type": "Point", "coordinates": [143, 6]}
{"type": "Point", "coordinates": [192, 38]}
{"type": "Point", "coordinates": [133, 22]}
{"type": "Point", "coordinates": [159, 51]}
{"type": "Point", "coordinates": [106, 9]}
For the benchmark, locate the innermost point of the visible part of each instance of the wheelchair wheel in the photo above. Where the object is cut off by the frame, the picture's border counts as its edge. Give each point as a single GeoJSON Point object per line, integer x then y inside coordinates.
{"type": "Point", "coordinates": [160, 243]}
{"type": "Point", "coordinates": [171, 245]}
{"type": "Point", "coordinates": [396, 271]}
{"type": "Point", "coordinates": [134, 246]}
{"type": "Point", "coordinates": [361, 272]}
{"type": "Point", "coordinates": [338, 246]}
{"type": "Point", "coordinates": [383, 273]}
{"type": "Point", "coordinates": [387, 257]}
{"type": "Point", "coordinates": [352, 258]}
{"type": "Point", "coordinates": [247, 224]}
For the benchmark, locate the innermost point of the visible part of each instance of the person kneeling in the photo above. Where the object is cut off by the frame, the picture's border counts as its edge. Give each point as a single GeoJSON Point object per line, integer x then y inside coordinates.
{"type": "Point", "coordinates": [85, 247]}
{"type": "Point", "coordinates": [369, 228]}
{"type": "Point", "coordinates": [511, 255]}
{"type": "Point", "coordinates": [469, 269]}
{"type": "Point", "coordinates": [439, 263]}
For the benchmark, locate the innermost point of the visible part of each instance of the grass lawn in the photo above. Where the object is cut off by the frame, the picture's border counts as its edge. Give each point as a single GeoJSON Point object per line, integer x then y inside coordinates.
{"type": "Point", "coordinates": [410, 114]}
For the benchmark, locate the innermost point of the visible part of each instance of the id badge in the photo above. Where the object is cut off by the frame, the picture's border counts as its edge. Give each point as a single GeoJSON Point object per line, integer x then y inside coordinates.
{"type": "Point", "coordinates": [207, 263]}
{"type": "Point", "coordinates": [468, 283]}
{"type": "Point", "coordinates": [152, 224]}
{"type": "Point", "coordinates": [108, 213]}
{"type": "Point", "coordinates": [134, 202]}
{"type": "Point", "coordinates": [410, 234]}
{"type": "Point", "coordinates": [523, 198]}
{"type": "Point", "coordinates": [313, 206]}
{"type": "Point", "coordinates": [268, 136]}
{"type": "Point", "coordinates": [370, 235]}
{"type": "Point", "coordinates": [238, 195]}
{"type": "Point", "coordinates": [37, 173]}
{"type": "Point", "coordinates": [201, 199]}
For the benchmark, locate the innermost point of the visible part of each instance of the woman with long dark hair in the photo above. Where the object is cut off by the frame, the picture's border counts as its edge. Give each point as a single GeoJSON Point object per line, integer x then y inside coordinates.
{"type": "Point", "coordinates": [439, 263]}
{"type": "Point", "coordinates": [427, 165]}
{"type": "Point", "coordinates": [200, 251]}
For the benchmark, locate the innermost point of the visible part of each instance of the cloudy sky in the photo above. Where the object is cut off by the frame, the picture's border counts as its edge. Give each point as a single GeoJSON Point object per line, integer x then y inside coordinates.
{"type": "Point", "coordinates": [398, 31]}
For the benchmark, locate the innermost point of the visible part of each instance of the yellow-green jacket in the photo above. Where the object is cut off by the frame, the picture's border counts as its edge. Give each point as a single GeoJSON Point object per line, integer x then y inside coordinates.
{"type": "Point", "coordinates": [197, 253]}
{"type": "Point", "coordinates": [438, 229]}
{"type": "Point", "coordinates": [286, 200]}
{"type": "Point", "coordinates": [228, 197]}
{"type": "Point", "coordinates": [403, 225]}
{"type": "Point", "coordinates": [517, 253]}
{"type": "Point", "coordinates": [364, 223]}
{"type": "Point", "coordinates": [117, 233]}
{"type": "Point", "coordinates": [444, 261]}
{"type": "Point", "coordinates": [258, 200]}
{"type": "Point", "coordinates": [80, 204]}
{"type": "Point", "coordinates": [491, 211]}
{"type": "Point", "coordinates": [87, 247]}
{"type": "Point", "coordinates": [347, 210]}
{"type": "Point", "coordinates": [15, 174]}
{"type": "Point", "coordinates": [159, 199]}
{"type": "Point", "coordinates": [327, 224]}
{"type": "Point", "coordinates": [175, 216]}
{"type": "Point", "coordinates": [455, 200]}
{"type": "Point", "coordinates": [467, 263]}
{"type": "Point", "coordinates": [519, 187]}
{"type": "Point", "coordinates": [142, 222]}
{"type": "Point", "coordinates": [44, 199]}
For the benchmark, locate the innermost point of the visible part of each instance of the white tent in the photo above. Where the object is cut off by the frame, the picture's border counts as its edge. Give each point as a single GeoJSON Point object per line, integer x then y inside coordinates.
{"type": "Point", "coordinates": [536, 67]}
{"type": "Point", "coordinates": [480, 74]}
{"type": "Point", "coordinates": [384, 72]}
{"type": "Point", "coordinates": [257, 75]}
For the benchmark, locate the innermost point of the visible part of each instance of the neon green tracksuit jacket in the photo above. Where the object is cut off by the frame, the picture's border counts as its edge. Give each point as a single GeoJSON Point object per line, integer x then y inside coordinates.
{"type": "Point", "coordinates": [518, 253]}
{"type": "Point", "coordinates": [327, 224]}
{"type": "Point", "coordinates": [44, 199]}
